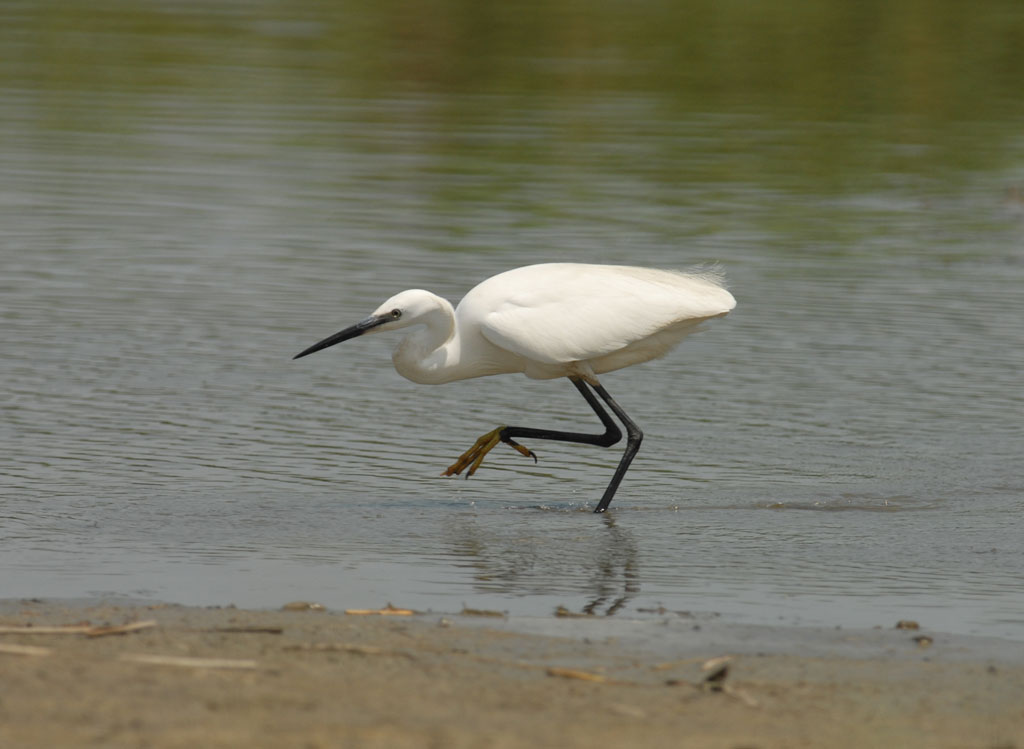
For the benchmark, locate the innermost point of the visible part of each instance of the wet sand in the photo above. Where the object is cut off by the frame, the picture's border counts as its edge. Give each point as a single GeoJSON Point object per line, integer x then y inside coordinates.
{"type": "Point", "coordinates": [326, 679]}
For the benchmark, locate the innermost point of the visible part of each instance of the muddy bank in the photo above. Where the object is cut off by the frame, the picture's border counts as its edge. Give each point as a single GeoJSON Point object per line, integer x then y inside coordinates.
{"type": "Point", "coordinates": [227, 677]}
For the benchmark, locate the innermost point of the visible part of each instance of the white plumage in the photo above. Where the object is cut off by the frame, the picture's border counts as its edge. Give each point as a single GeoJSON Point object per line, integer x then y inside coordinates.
{"type": "Point", "coordinates": [608, 316]}
{"type": "Point", "coordinates": [551, 320]}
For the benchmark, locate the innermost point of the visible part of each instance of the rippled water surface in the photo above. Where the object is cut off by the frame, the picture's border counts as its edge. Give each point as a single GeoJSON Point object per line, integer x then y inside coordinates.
{"type": "Point", "coordinates": [192, 194]}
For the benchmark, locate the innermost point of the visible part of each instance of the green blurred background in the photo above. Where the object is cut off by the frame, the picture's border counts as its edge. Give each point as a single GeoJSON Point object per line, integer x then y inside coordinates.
{"type": "Point", "coordinates": [824, 84]}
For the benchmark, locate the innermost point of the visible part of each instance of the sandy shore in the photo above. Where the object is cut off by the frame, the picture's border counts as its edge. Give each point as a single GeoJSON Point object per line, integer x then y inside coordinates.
{"type": "Point", "coordinates": [326, 679]}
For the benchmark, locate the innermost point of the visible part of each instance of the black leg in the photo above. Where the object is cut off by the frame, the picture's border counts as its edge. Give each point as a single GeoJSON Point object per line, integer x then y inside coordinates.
{"type": "Point", "coordinates": [633, 439]}
{"type": "Point", "coordinates": [634, 436]}
{"type": "Point", "coordinates": [472, 458]}
{"type": "Point", "coordinates": [612, 433]}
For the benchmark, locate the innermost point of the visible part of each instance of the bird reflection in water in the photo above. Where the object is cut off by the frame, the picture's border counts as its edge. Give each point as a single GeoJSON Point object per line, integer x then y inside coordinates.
{"type": "Point", "coordinates": [601, 567]}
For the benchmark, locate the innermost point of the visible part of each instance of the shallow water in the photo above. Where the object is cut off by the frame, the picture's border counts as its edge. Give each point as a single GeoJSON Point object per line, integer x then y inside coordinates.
{"type": "Point", "coordinates": [191, 198]}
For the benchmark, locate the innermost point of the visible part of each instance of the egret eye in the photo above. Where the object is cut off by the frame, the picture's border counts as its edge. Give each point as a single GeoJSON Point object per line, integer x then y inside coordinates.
{"type": "Point", "coordinates": [396, 313]}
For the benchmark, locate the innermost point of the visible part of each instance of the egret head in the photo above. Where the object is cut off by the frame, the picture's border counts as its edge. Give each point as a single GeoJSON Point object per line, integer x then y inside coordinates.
{"type": "Point", "coordinates": [400, 311]}
{"type": "Point", "coordinates": [406, 308]}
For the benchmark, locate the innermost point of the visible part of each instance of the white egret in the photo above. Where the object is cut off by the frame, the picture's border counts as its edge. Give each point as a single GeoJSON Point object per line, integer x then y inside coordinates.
{"type": "Point", "coordinates": [552, 320]}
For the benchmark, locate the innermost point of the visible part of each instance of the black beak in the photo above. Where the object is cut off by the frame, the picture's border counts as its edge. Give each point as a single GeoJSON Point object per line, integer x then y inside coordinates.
{"type": "Point", "coordinates": [356, 330]}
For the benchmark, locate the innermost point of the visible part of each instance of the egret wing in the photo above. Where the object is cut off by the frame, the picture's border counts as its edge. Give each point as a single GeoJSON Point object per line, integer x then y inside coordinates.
{"type": "Point", "coordinates": [560, 313]}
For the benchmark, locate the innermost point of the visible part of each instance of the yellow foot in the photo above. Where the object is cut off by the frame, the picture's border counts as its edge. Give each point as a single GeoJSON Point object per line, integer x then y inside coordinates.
{"type": "Point", "coordinates": [475, 455]}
